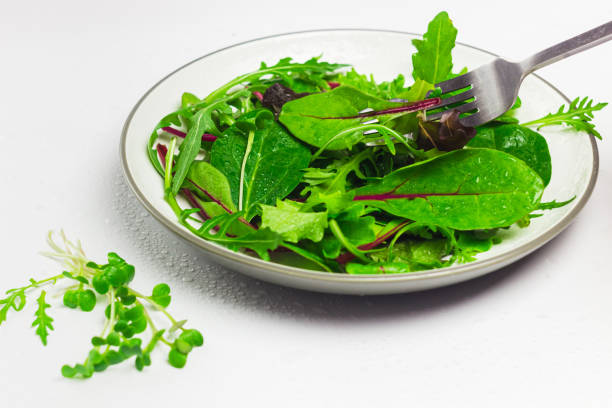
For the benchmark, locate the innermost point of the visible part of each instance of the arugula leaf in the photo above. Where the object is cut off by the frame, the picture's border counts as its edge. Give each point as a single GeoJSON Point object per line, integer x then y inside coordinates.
{"type": "Point", "coordinates": [43, 321]}
{"type": "Point", "coordinates": [333, 178]}
{"type": "Point", "coordinates": [382, 90]}
{"type": "Point", "coordinates": [293, 225]}
{"type": "Point", "coordinates": [201, 122]}
{"type": "Point", "coordinates": [464, 189]}
{"type": "Point", "coordinates": [519, 141]}
{"type": "Point", "coordinates": [551, 205]}
{"type": "Point", "coordinates": [272, 168]}
{"type": "Point", "coordinates": [284, 69]}
{"type": "Point", "coordinates": [578, 116]}
{"type": "Point", "coordinates": [433, 60]}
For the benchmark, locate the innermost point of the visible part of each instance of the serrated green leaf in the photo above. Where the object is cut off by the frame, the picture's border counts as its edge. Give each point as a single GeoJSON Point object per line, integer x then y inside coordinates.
{"type": "Point", "coordinates": [293, 225]}
{"type": "Point", "coordinates": [43, 321]}
{"type": "Point", "coordinates": [433, 60]}
{"type": "Point", "coordinates": [579, 116]}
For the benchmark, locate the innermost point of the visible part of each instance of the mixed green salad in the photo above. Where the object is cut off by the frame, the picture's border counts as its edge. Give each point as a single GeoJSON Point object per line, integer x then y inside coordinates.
{"type": "Point", "coordinates": [317, 165]}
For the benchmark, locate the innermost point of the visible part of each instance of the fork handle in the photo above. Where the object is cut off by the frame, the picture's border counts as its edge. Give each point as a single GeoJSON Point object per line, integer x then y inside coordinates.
{"type": "Point", "coordinates": [568, 48]}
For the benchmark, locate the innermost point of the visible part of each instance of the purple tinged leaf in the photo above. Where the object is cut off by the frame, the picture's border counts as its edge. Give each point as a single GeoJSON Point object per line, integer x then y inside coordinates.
{"type": "Point", "coordinates": [448, 134]}
{"type": "Point", "coordinates": [206, 137]}
{"type": "Point", "coordinates": [277, 95]}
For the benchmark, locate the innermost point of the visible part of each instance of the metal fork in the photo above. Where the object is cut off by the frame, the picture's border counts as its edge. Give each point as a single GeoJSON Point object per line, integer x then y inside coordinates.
{"type": "Point", "coordinates": [494, 86]}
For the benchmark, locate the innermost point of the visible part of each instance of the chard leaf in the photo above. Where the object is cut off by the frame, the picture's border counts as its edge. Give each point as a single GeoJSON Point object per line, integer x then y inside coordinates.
{"type": "Point", "coordinates": [317, 119]}
{"type": "Point", "coordinates": [293, 225]}
{"type": "Point", "coordinates": [578, 116]}
{"type": "Point", "coordinates": [519, 141]}
{"type": "Point", "coordinates": [463, 189]}
{"type": "Point", "coordinates": [433, 60]}
{"type": "Point", "coordinates": [272, 168]}
{"type": "Point", "coordinates": [207, 178]}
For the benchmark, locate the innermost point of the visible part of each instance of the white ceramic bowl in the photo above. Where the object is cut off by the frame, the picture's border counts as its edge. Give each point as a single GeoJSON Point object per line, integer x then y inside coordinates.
{"type": "Point", "coordinates": [385, 54]}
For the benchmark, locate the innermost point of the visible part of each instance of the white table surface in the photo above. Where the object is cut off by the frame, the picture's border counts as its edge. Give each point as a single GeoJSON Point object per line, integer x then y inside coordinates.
{"type": "Point", "coordinates": [537, 333]}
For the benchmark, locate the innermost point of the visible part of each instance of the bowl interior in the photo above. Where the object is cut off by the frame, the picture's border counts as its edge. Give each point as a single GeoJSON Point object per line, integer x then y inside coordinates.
{"type": "Point", "coordinates": [384, 54]}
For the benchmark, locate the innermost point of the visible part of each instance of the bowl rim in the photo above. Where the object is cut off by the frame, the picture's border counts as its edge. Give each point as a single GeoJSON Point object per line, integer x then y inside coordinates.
{"type": "Point", "coordinates": [285, 270]}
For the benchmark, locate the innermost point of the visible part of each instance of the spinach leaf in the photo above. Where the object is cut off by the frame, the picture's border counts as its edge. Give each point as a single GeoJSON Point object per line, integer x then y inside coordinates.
{"type": "Point", "coordinates": [293, 225]}
{"type": "Point", "coordinates": [433, 60]}
{"type": "Point", "coordinates": [463, 189]}
{"type": "Point", "coordinates": [271, 169]}
{"type": "Point", "coordinates": [519, 141]}
{"type": "Point", "coordinates": [318, 119]}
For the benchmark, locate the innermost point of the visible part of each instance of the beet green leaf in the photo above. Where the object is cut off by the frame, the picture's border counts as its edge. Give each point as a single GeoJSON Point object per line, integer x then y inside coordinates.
{"type": "Point", "coordinates": [463, 189]}
{"type": "Point", "coordinates": [318, 119]}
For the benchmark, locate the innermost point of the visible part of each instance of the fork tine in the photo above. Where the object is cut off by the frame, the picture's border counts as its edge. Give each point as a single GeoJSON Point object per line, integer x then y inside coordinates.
{"type": "Point", "coordinates": [462, 108]}
{"type": "Point", "coordinates": [455, 98]}
{"type": "Point", "coordinates": [473, 120]}
{"type": "Point", "coordinates": [453, 84]}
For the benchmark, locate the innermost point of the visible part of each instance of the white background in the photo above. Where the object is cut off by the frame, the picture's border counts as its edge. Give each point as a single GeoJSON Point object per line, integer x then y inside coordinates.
{"type": "Point", "coordinates": [537, 333]}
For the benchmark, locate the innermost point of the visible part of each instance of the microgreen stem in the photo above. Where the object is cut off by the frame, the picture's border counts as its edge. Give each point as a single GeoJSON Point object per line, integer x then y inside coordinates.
{"type": "Point", "coordinates": [111, 318]}
{"type": "Point", "coordinates": [36, 284]}
{"type": "Point", "coordinates": [155, 305]}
